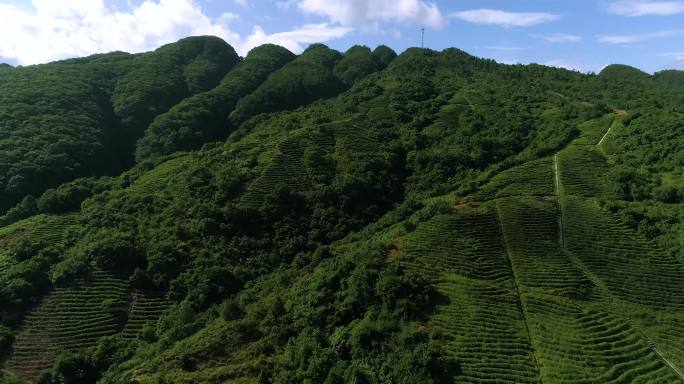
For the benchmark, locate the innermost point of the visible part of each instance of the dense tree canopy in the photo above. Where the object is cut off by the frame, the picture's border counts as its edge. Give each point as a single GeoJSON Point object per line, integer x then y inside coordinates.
{"type": "Point", "coordinates": [278, 202]}
{"type": "Point", "coordinates": [203, 117]}
{"type": "Point", "coordinates": [81, 117]}
{"type": "Point", "coordinates": [307, 78]}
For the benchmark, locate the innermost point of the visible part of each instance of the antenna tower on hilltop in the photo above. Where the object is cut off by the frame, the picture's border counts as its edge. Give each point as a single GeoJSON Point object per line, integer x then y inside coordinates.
{"type": "Point", "coordinates": [422, 37]}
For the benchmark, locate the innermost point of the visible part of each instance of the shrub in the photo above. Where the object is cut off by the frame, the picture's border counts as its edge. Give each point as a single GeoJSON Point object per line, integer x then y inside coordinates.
{"type": "Point", "coordinates": [115, 251]}
{"type": "Point", "coordinates": [111, 350]}
{"type": "Point", "coordinates": [68, 197]}
{"type": "Point", "coordinates": [26, 208]}
{"type": "Point", "coordinates": [231, 309]}
{"type": "Point", "coordinates": [71, 368]}
{"type": "Point", "coordinates": [6, 339]}
{"type": "Point", "coordinates": [75, 264]}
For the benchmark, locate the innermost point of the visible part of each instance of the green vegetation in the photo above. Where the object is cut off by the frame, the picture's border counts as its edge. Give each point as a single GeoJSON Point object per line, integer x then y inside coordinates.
{"type": "Point", "coordinates": [584, 171]}
{"type": "Point", "coordinates": [307, 78]}
{"type": "Point", "coordinates": [480, 322]}
{"type": "Point", "coordinates": [81, 117]}
{"type": "Point", "coordinates": [203, 117]}
{"type": "Point", "coordinates": [629, 265]}
{"type": "Point", "coordinates": [357, 63]}
{"type": "Point", "coordinates": [659, 222]}
{"type": "Point", "coordinates": [534, 178]}
{"type": "Point", "coordinates": [146, 308]}
{"type": "Point", "coordinates": [532, 232]}
{"type": "Point", "coordinates": [331, 218]}
{"type": "Point", "coordinates": [71, 318]}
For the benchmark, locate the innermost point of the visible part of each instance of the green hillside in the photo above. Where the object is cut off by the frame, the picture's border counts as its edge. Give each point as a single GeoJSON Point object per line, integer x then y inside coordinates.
{"type": "Point", "coordinates": [81, 117]}
{"type": "Point", "coordinates": [328, 217]}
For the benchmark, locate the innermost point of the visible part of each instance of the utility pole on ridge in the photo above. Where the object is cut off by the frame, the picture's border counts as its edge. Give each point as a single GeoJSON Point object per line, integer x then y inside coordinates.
{"type": "Point", "coordinates": [422, 37]}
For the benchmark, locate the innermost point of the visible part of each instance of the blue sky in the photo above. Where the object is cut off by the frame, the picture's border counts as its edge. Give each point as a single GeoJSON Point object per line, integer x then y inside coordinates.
{"type": "Point", "coordinates": [584, 35]}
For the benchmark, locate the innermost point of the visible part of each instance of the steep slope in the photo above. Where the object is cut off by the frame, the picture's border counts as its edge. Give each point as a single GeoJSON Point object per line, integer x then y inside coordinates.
{"type": "Point", "coordinates": [307, 78]}
{"type": "Point", "coordinates": [69, 318]}
{"type": "Point", "coordinates": [82, 117]}
{"type": "Point", "coordinates": [464, 256]}
{"type": "Point", "coordinates": [429, 218]}
{"type": "Point", "coordinates": [203, 117]}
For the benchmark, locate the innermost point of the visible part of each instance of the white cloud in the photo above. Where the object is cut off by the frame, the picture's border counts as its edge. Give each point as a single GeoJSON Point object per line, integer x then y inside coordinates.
{"type": "Point", "coordinates": [679, 56]}
{"type": "Point", "coordinates": [285, 4]}
{"type": "Point", "coordinates": [626, 39]}
{"type": "Point", "coordinates": [504, 48]}
{"type": "Point", "coordinates": [292, 40]}
{"type": "Point", "coordinates": [503, 18]}
{"type": "Point", "coordinates": [559, 38]}
{"type": "Point", "coordinates": [365, 12]}
{"type": "Point", "coordinates": [566, 64]}
{"type": "Point", "coordinates": [645, 8]}
{"type": "Point", "coordinates": [227, 17]}
{"type": "Point", "coordinates": [58, 29]}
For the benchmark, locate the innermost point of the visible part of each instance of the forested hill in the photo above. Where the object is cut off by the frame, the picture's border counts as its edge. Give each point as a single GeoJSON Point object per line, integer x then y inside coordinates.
{"type": "Point", "coordinates": [190, 216]}
{"type": "Point", "coordinates": [82, 117]}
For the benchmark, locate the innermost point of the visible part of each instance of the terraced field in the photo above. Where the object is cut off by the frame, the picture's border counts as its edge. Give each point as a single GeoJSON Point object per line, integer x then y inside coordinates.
{"type": "Point", "coordinates": [631, 330]}
{"type": "Point", "coordinates": [631, 267]}
{"type": "Point", "coordinates": [47, 228]}
{"type": "Point", "coordinates": [530, 226]}
{"type": "Point", "coordinates": [345, 139]}
{"type": "Point", "coordinates": [585, 299]}
{"type": "Point", "coordinates": [352, 140]}
{"type": "Point", "coordinates": [665, 332]}
{"type": "Point", "coordinates": [534, 178]}
{"type": "Point", "coordinates": [377, 111]}
{"type": "Point", "coordinates": [607, 144]}
{"type": "Point", "coordinates": [146, 307]}
{"type": "Point", "coordinates": [646, 283]}
{"type": "Point", "coordinates": [593, 130]}
{"type": "Point", "coordinates": [448, 116]}
{"type": "Point", "coordinates": [156, 179]}
{"type": "Point", "coordinates": [52, 228]}
{"type": "Point", "coordinates": [463, 254]}
{"type": "Point", "coordinates": [324, 138]}
{"type": "Point", "coordinates": [577, 344]}
{"type": "Point", "coordinates": [583, 171]}
{"type": "Point", "coordinates": [577, 329]}
{"type": "Point", "coordinates": [72, 317]}
{"type": "Point", "coordinates": [286, 168]}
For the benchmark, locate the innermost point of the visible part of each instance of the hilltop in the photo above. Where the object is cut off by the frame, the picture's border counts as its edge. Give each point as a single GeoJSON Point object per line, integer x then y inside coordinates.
{"type": "Point", "coordinates": [190, 216]}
